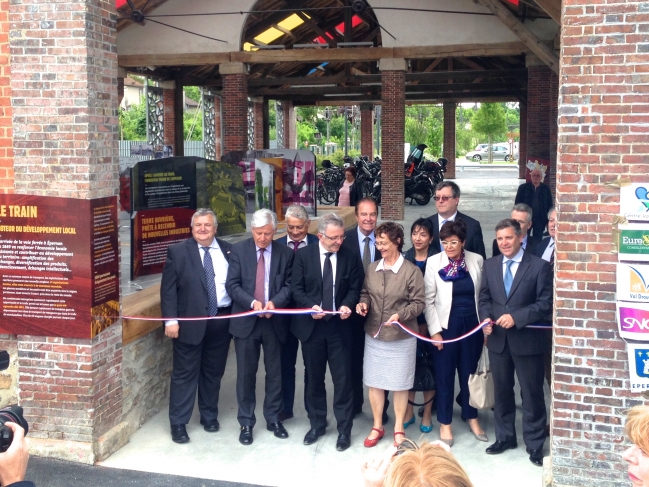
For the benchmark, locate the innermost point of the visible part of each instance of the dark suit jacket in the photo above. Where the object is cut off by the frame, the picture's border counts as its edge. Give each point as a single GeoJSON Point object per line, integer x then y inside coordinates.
{"type": "Point", "coordinates": [474, 241]}
{"type": "Point", "coordinates": [540, 248]}
{"type": "Point", "coordinates": [531, 247]}
{"type": "Point", "coordinates": [310, 239]}
{"type": "Point", "coordinates": [241, 285]}
{"type": "Point", "coordinates": [529, 301]}
{"type": "Point", "coordinates": [183, 290]}
{"type": "Point", "coordinates": [306, 286]}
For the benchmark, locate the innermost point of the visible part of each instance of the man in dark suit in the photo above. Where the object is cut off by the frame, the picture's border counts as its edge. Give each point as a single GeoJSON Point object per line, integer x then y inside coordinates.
{"type": "Point", "coordinates": [523, 215]}
{"type": "Point", "coordinates": [360, 241]}
{"type": "Point", "coordinates": [447, 199]}
{"type": "Point", "coordinates": [515, 293]}
{"type": "Point", "coordinates": [326, 339]}
{"type": "Point", "coordinates": [297, 237]}
{"type": "Point", "coordinates": [259, 278]}
{"type": "Point", "coordinates": [193, 285]}
{"type": "Point", "coordinates": [536, 195]}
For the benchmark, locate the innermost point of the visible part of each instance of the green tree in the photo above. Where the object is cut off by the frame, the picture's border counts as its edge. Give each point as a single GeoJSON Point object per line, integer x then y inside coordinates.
{"type": "Point", "coordinates": [416, 132]}
{"type": "Point", "coordinates": [193, 92]}
{"type": "Point", "coordinates": [133, 122]}
{"type": "Point", "coordinates": [490, 121]}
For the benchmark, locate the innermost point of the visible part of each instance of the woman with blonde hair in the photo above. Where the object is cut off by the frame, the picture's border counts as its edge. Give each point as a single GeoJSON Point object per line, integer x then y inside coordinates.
{"type": "Point", "coordinates": [637, 456]}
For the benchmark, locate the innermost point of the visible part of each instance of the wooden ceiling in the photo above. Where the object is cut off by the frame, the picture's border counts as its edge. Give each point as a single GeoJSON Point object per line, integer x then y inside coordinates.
{"type": "Point", "coordinates": [348, 79]}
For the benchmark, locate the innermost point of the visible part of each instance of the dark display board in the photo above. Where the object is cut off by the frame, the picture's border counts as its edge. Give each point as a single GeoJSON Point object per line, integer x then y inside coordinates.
{"type": "Point", "coordinates": [59, 265]}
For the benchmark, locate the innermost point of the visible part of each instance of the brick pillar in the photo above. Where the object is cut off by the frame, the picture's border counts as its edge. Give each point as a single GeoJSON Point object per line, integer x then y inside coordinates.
{"type": "Point", "coordinates": [258, 117]}
{"type": "Point", "coordinates": [538, 109]}
{"type": "Point", "coordinates": [6, 122]}
{"type": "Point", "coordinates": [552, 143]}
{"type": "Point", "coordinates": [393, 116]}
{"type": "Point", "coordinates": [66, 145]}
{"type": "Point", "coordinates": [290, 127]}
{"type": "Point", "coordinates": [120, 90]}
{"type": "Point", "coordinates": [169, 113]}
{"type": "Point", "coordinates": [367, 130]}
{"type": "Point", "coordinates": [235, 106]}
{"type": "Point", "coordinates": [602, 136]}
{"type": "Point", "coordinates": [522, 144]}
{"type": "Point", "coordinates": [450, 109]}
{"type": "Point", "coordinates": [218, 124]}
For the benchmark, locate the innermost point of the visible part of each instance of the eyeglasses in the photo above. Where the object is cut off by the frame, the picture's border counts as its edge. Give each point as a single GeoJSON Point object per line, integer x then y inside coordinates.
{"type": "Point", "coordinates": [334, 239]}
{"type": "Point", "coordinates": [443, 198]}
{"type": "Point", "coordinates": [379, 245]}
{"type": "Point", "coordinates": [452, 243]}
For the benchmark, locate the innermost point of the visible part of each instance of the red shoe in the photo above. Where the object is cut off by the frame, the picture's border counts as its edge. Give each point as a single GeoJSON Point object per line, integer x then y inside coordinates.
{"type": "Point", "coordinates": [395, 437]}
{"type": "Point", "coordinates": [370, 442]}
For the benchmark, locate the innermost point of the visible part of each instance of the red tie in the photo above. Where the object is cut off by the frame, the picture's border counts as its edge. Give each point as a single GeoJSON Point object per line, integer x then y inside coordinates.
{"type": "Point", "coordinates": [260, 280]}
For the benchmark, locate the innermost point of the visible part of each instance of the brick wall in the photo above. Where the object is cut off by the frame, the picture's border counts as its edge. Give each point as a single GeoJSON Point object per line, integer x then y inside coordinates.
{"type": "Point", "coordinates": [393, 117]}
{"type": "Point", "coordinates": [169, 116]}
{"type": "Point", "coordinates": [553, 114]}
{"type": "Point", "coordinates": [6, 139]}
{"type": "Point", "coordinates": [290, 128]}
{"type": "Point", "coordinates": [258, 116]}
{"type": "Point", "coordinates": [367, 131]}
{"type": "Point", "coordinates": [602, 135]}
{"type": "Point", "coordinates": [449, 138]}
{"type": "Point", "coordinates": [120, 90]}
{"type": "Point", "coordinates": [522, 144]}
{"type": "Point", "coordinates": [9, 377]}
{"type": "Point", "coordinates": [235, 112]}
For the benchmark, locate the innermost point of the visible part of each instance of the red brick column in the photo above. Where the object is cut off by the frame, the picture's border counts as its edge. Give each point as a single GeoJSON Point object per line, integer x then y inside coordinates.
{"type": "Point", "coordinates": [393, 116]}
{"type": "Point", "coordinates": [522, 144]}
{"type": "Point", "coordinates": [258, 116]}
{"type": "Point", "coordinates": [602, 136]}
{"type": "Point", "coordinates": [450, 109]}
{"type": "Point", "coordinates": [169, 113]}
{"type": "Point", "coordinates": [6, 122]}
{"type": "Point", "coordinates": [552, 143]}
{"type": "Point", "coordinates": [66, 145]}
{"type": "Point", "coordinates": [290, 128]}
{"type": "Point", "coordinates": [120, 90]}
{"type": "Point", "coordinates": [367, 130]}
{"type": "Point", "coordinates": [218, 124]}
{"type": "Point", "coordinates": [235, 106]}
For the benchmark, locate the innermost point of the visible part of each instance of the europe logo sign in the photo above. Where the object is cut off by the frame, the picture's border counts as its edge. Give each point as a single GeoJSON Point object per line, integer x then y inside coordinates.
{"type": "Point", "coordinates": [633, 282]}
{"type": "Point", "coordinates": [633, 242]}
{"type": "Point", "coordinates": [638, 354]}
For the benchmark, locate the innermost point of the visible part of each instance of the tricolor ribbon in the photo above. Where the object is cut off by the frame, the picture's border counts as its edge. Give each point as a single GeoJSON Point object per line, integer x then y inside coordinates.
{"type": "Point", "coordinates": [237, 315]}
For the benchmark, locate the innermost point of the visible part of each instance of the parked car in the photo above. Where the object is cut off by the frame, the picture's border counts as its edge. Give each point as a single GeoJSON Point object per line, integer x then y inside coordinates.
{"type": "Point", "coordinates": [500, 152]}
{"type": "Point", "coordinates": [481, 147]}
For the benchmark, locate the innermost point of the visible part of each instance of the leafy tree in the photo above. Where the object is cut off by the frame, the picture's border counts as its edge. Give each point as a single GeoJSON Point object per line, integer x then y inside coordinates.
{"type": "Point", "coordinates": [490, 121]}
{"type": "Point", "coordinates": [188, 121]}
{"type": "Point", "coordinates": [416, 132]}
{"type": "Point", "coordinates": [133, 122]}
{"type": "Point", "coordinates": [193, 92]}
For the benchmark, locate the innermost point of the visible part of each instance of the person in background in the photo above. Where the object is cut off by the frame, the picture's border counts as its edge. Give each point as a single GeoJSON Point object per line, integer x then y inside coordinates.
{"type": "Point", "coordinates": [453, 280]}
{"type": "Point", "coordinates": [421, 235]}
{"type": "Point", "coordinates": [393, 291]}
{"type": "Point", "coordinates": [536, 195]}
{"type": "Point", "coordinates": [13, 462]}
{"type": "Point", "coordinates": [637, 455]}
{"type": "Point", "coordinates": [297, 237]}
{"type": "Point", "coordinates": [523, 215]}
{"type": "Point", "coordinates": [349, 193]}
{"type": "Point", "coordinates": [447, 199]}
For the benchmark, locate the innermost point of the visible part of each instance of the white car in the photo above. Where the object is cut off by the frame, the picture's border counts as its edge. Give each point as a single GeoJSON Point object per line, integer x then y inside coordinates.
{"type": "Point", "coordinates": [500, 152]}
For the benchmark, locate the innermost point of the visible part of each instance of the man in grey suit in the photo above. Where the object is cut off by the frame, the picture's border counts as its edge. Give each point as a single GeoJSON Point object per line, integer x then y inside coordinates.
{"type": "Point", "coordinates": [259, 278]}
{"type": "Point", "coordinates": [515, 293]}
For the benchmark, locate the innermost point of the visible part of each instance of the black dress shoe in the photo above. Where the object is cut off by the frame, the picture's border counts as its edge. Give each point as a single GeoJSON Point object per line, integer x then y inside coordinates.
{"type": "Point", "coordinates": [312, 436]}
{"type": "Point", "coordinates": [500, 446]}
{"type": "Point", "coordinates": [536, 457]}
{"type": "Point", "coordinates": [245, 437]}
{"type": "Point", "coordinates": [211, 426]}
{"type": "Point", "coordinates": [284, 416]}
{"type": "Point", "coordinates": [179, 433]}
{"type": "Point", "coordinates": [344, 441]}
{"type": "Point", "coordinates": [278, 429]}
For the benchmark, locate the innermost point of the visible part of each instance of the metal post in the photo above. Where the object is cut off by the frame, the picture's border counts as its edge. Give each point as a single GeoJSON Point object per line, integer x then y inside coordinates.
{"type": "Point", "coordinates": [346, 123]}
{"type": "Point", "coordinates": [377, 114]}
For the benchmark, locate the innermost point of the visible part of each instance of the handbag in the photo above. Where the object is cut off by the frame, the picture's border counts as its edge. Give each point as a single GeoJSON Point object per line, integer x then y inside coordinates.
{"type": "Point", "coordinates": [424, 378]}
{"type": "Point", "coordinates": [481, 384]}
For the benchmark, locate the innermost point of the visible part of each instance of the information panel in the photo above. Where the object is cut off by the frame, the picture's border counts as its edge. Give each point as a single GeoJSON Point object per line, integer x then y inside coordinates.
{"type": "Point", "coordinates": [59, 266]}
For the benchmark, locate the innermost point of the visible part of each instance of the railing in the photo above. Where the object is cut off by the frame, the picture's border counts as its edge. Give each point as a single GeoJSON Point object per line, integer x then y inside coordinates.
{"type": "Point", "coordinates": [192, 148]}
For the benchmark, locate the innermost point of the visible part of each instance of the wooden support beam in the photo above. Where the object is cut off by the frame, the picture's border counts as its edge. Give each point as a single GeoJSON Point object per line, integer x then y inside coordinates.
{"type": "Point", "coordinates": [533, 43]}
{"type": "Point", "coordinates": [318, 30]}
{"type": "Point", "coordinates": [552, 8]}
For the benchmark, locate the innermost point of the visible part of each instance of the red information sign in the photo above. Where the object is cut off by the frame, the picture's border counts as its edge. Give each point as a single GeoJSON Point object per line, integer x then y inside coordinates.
{"type": "Point", "coordinates": [59, 265]}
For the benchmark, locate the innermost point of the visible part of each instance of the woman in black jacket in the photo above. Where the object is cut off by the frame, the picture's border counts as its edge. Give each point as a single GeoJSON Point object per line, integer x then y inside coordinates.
{"type": "Point", "coordinates": [350, 192]}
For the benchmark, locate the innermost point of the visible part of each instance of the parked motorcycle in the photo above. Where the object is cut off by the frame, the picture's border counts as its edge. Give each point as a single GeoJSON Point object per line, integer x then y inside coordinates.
{"type": "Point", "coordinates": [419, 188]}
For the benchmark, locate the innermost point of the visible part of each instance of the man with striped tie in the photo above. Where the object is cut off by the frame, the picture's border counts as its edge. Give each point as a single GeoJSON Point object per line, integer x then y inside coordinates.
{"type": "Point", "coordinates": [193, 285]}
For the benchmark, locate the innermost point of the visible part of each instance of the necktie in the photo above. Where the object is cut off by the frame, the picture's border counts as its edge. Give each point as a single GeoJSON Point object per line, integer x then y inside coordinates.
{"type": "Point", "coordinates": [367, 254]}
{"type": "Point", "coordinates": [552, 255]}
{"type": "Point", "coordinates": [296, 245]}
{"type": "Point", "coordinates": [208, 267]}
{"type": "Point", "coordinates": [260, 279]}
{"type": "Point", "coordinates": [328, 286]}
{"type": "Point", "coordinates": [509, 278]}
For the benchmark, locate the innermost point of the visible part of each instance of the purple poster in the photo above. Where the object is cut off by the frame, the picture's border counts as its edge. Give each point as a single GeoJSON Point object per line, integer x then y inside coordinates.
{"type": "Point", "coordinates": [633, 321]}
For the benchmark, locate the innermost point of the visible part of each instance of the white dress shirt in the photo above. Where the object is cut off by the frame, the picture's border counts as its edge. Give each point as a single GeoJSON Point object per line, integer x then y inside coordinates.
{"type": "Point", "coordinates": [395, 268]}
{"type": "Point", "coordinates": [441, 220]}
{"type": "Point", "coordinates": [334, 262]}
{"type": "Point", "coordinates": [301, 244]}
{"type": "Point", "coordinates": [361, 243]}
{"type": "Point", "coordinates": [549, 250]}
{"type": "Point", "coordinates": [267, 253]}
{"type": "Point", "coordinates": [517, 260]}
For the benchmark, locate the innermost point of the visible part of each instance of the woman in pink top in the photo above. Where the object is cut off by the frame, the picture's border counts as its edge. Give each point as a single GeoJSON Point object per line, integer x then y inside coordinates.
{"type": "Point", "coordinates": [348, 194]}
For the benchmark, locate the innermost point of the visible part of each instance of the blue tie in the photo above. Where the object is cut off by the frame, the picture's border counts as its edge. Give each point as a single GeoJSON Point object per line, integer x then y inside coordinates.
{"type": "Point", "coordinates": [509, 278]}
{"type": "Point", "coordinates": [211, 286]}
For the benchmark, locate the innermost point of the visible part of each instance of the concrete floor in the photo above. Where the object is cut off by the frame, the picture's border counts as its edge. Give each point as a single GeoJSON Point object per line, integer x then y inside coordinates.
{"type": "Point", "coordinates": [487, 196]}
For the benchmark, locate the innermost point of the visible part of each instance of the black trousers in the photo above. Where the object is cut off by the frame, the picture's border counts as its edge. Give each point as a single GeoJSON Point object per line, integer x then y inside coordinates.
{"type": "Point", "coordinates": [289, 357]}
{"type": "Point", "coordinates": [248, 352]}
{"type": "Point", "coordinates": [357, 354]}
{"type": "Point", "coordinates": [330, 343]}
{"type": "Point", "coordinates": [530, 372]}
{"type": "Point", "coordinates": [199, 367]}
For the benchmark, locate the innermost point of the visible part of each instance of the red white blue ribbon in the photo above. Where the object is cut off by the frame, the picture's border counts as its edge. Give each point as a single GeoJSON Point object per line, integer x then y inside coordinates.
{"type": "Point", "coordinates": [277, 311]}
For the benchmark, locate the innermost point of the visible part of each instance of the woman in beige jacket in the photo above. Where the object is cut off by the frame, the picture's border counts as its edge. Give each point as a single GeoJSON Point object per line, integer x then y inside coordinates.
{"type": "Point", "coordinates": [393, 291]}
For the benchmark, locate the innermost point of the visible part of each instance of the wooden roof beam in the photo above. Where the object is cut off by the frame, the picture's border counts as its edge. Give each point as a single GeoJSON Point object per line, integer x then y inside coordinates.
{"type": "Point", "coordinates": [552, 8]}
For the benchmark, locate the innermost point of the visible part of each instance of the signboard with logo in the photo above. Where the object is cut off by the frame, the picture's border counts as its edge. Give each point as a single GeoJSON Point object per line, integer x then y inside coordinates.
{"type": "Point", "coordinates": [633, 321]}
{"type": "Point", "coordinates": [634, 201]}
{"type": "Point", "coordinates": [634, 242]}
{"type": "Point", "coordinates": [633, 282]}
{"type": "Point", "coordinates": [638, 366]}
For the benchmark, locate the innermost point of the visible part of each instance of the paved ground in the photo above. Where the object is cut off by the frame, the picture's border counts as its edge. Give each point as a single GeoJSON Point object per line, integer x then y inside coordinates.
{"type": "Point", "coordinates": [152, 459]}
